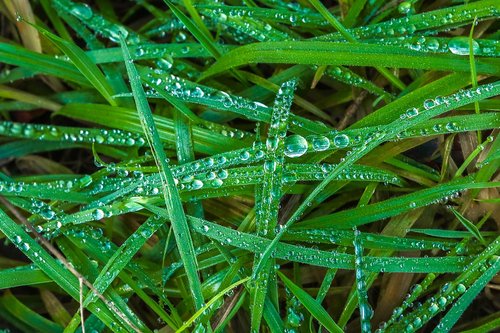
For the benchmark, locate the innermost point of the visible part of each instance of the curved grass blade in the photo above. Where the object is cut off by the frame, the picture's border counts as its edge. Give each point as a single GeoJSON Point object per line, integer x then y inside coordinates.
{"type": "Point", "coordinates": [26, 315]}
{"type": "Point", "coordinates": [352, 54]}
{"type": "Point", "coordinates": [40, 63]}
{"type": "Point", "coordinates": [84, 64]}
{"type": "Point", "coordinates": [468, 224]}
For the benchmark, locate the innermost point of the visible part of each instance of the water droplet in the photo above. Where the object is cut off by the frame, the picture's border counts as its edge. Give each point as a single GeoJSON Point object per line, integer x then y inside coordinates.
{"type": "Point", "coordinates": [245, 155]}
{"type": "Point", "coordinates": [47, 213]}
{"type": "Point", "coordinates": [461, 288]}
{"type": "Point", "coordinates": [98, 214]}
{"type": "Point", "coordinates": [217, 182]}
{"type": "Point", "coordinates": [196, 184]}
{"type": "Point", "coordinates": [460, 46]}
{"type": "Point", "coordinates": [410, 113]}
{"type": "Point", "coordinates": [341, 140]}
{"type": "Point", "coordinates": [272, 143]}
{"type": "Point", "coordinates": [432, 44]}
{"type": "Point", "coordinates": [429, 104]}
{"type": "Point", "coordinates": [320, 143]}
{"type": "Point", "coordinates": [295, 146]}
{"type": "Point", "coordinates": [404, 7]}
{"type": "Point", "coordinates": [451, 126]}
{"type": "Point", "coordinates": [82, 10]}
{"type": "Point", "coordinates": [270, 166]}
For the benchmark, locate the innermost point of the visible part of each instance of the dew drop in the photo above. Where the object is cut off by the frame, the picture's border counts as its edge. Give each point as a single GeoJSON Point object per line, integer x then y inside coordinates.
{"type": "Point", "coordinates": [295, 146]}
{"type": "Point", "coordinates": [451, 126]}
{"type": "Point", "coordinates": [461, 288]}
{"type": "Point", "coordinates": [98, 214]}
{"type": "Point", "coordinates": [245, 155]}
{"type": "Point", "coordinates": [196, 184]}
{"type": "Point", "coordinates": [341, 140]}
{"type": "Point", "coordinates": [404, 7]}
{"type": "Point", "coordinates": [270, 166]}
{"type": "Point", "coordinates": [460, 46]}
{"type": "Point", "coordinates": [272, 143]}
{"type": "Point", "coordinates": [320, 143]}
{"type": "Point", "coordinates": [429, 104]}
{"type": "Point", "coordinates": [413, 112]}
{"type": "Point", "coordinates": [82, 10]}
{"type": "Point", "coordinates": [217, 182]}
{"type": "Point", "coordinates": [432, 44]}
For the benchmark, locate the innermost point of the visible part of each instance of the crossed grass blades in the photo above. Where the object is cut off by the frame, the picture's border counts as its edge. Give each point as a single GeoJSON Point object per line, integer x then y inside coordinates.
{"type": "Point", "coordinates": [252, 166]}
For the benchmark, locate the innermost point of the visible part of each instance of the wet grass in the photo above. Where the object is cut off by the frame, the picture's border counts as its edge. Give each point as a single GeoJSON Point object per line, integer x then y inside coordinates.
{"type": "Point", "coordinates": [251, 166]}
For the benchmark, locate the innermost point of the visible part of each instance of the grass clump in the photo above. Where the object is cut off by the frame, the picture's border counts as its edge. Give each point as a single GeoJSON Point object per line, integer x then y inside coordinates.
{"type": "Point", "coordinates": [264, 166]}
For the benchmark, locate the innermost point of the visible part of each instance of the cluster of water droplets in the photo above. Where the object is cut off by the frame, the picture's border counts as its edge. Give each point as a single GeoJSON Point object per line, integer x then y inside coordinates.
{"type": "Point", "coordinates": [294, 316]}
{"type": "Point", "coordinates": [296, 145]}
{"type": "Point", "coordinates": [268, 206]}
{"type": "Point", "coordinates": [423, 312]}
{"type": "Point", "coordinates": [351, 78]}
{"type": "Point", "coordinates": [245, 26]}
{"type": "Point", "coordinates": [168, 26]}
{"type": "Point", "coordinates": [276, 15]}
{"type": "Point", "coordinates": [193, 93]}
{"type": "Point", "coordinates": [455, 45]}
{"type": "Point", "coordinates": [301, 172]}
{"type": "Point", "coordinates": [344, 237]}
{"type": "Point", "coordinates": [69, 134]}
{"type": "Point", "coordinates": [435, 20]}
{"type": "Point", "coordinates": [96, 21]}
{"type": "Point", "coordinates": [167, 52]}
{"type": "Point", "coordinates": [365, 310]}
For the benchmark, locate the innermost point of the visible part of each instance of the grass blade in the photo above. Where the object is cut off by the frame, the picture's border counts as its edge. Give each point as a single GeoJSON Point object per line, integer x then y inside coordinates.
{"type": "Point", "coordinates": [171, 196]}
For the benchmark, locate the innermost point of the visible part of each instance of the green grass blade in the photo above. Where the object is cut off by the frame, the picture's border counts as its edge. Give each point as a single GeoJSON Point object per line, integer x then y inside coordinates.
{"type": "Point", "coordinates": [84, 65]}
{"type": "Point", "coordinates": [311, 305]}
{"type": "Point", "coordinates": [171, 196]}
{"type": "Point", "coordinates": [352, 54]}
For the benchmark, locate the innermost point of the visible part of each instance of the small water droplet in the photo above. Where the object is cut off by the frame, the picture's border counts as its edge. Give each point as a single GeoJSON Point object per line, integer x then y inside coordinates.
{"type": "Point", "coordinates": [98, 214]}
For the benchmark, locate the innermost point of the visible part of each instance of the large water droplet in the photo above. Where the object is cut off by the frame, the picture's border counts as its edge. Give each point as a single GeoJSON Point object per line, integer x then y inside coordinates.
{"type": "Point", "coordinates": [295, 146]}
{"type": "Point", "coordinates": [341, 140]}
{"type": "Point", "coordinates": [82, 10]}
{"type": "Point", "coordinates": [460, 46]}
